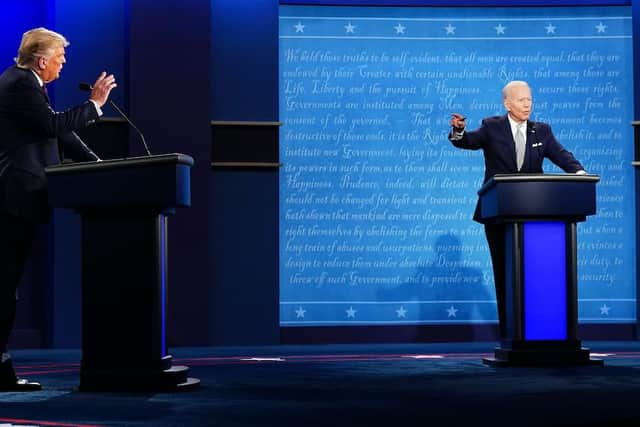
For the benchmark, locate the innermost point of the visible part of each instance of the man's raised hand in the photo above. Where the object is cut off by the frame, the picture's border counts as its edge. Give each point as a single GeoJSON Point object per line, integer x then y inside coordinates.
{"type": "Point", "coordinates": [102, 87]}
{"type": "Point", "coordinates": [457, 122]}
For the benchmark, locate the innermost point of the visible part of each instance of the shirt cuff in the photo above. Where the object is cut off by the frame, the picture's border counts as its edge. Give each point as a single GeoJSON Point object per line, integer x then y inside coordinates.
{"type": "Point", "coordinates": [581, 172]}
{"type": "Point", "coordinates": [456, 135]}
{"type": "Point", "coordinates": [98, 110]}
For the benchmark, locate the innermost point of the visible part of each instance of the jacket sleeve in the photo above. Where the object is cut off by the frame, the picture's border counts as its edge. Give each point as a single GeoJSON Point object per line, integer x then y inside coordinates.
{"type": "Point", "coordinates": [32, 109]}
{"type": "Point", "coordinates": [471, 140]}
{"type": "Point", "coordinates": [559, 155]}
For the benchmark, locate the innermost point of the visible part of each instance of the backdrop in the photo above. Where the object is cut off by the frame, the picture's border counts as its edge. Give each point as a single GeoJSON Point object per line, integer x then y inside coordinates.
{"type": "Point", "coordinates": [376, 204]}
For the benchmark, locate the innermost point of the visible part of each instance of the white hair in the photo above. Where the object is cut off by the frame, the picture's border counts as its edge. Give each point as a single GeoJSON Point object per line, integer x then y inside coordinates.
{"type": "Point", "coordinates": [514, 83]}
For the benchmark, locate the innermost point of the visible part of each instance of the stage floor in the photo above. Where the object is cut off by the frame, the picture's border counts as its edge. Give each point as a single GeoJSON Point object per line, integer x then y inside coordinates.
{"type": "Point", "coordinates": [335, 385]}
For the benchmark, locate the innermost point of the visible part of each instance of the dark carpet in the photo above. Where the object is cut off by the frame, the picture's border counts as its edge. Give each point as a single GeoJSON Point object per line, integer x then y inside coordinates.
{"type": "Point", "coordinates": [342, 385]}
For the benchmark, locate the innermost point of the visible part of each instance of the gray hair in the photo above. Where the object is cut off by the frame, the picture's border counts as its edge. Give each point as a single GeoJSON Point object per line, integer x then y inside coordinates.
{"type": "Point", "coordinates": [36, 43]}
{"type": "Point", "coordinates": [507, 88]}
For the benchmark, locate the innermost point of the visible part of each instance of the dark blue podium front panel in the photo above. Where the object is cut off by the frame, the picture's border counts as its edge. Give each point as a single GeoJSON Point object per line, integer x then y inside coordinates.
{"type": "Point", "coordinates": [142, 182]}
{"type": "Point", "coordinates": [545, 281]}
{"type": "Point", "coordinates": [540, 199]}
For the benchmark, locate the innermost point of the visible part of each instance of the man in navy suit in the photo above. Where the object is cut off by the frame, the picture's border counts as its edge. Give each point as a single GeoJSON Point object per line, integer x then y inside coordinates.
{"type": "Point", "coordinates": [511, 144]}
{"type": "Point", "coordinates": [32, 137]}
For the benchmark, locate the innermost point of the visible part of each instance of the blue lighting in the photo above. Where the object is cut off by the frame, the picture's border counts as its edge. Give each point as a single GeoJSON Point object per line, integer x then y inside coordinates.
{"type": "Point", "coordinates": [545, 281]}
{"type": "Point", "coordinates": [163, 287]}
{"type": "Point", "coordinates": [475, 3]}
{"type": "Point", "coordinates": [16, 18]}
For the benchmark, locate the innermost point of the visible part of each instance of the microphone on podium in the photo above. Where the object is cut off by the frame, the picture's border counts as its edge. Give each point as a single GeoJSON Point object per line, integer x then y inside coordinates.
{"type": "Point", "coordinates": [88, 88]}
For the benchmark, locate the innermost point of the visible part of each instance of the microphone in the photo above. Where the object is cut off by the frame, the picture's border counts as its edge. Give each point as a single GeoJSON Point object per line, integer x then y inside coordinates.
{"type": "Point", "coordinates": [88, 88]}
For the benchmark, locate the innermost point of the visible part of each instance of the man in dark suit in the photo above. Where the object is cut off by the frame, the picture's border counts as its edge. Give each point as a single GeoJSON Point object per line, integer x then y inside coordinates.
{"type": "Point", "coordinates": [511, 144]}
{"type": "Point", "coordinates": [32, 137]}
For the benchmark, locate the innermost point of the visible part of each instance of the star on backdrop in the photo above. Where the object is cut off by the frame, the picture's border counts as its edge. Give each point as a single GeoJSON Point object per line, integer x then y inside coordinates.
{"type": "Point", "coordinates": [401, 312]}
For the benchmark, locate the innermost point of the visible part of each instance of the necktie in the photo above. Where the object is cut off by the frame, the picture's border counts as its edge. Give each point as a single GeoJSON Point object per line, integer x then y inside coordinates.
{"type": "Point", "coordinates": [46, 94]}
{"type": "Point", "coordinates": [520, 146]}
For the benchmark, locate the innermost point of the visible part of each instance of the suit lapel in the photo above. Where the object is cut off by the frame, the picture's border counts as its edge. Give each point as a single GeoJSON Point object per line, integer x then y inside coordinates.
{"type": "Point", "coordinates": [511, 149]}
{"type": "Point", "coordinates": [530, 139]}
{"type": "Point", "coordinates": [42, 87]}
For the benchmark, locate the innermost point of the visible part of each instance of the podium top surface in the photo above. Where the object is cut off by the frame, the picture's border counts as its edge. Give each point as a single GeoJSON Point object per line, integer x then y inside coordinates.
{"type": "Point", "coordinates": [128, 162]}
{"type": "Point", "coordinates": [535, 177]}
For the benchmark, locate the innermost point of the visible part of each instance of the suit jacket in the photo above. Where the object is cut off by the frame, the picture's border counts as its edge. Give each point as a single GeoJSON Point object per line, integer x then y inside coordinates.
{"type": "Point", "coordinates": [494, 137]}
{"type": "Point", "coordinates": [32, 137]}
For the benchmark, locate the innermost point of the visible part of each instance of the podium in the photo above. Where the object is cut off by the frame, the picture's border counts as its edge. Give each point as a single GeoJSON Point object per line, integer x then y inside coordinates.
{"type": "Point", "coordinates": [123, 206]}
{"type": "Point", "coordinates": [540, 212]}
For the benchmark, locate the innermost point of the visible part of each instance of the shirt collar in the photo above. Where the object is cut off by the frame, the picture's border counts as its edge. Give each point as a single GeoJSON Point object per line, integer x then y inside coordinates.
{"type": "Point", "coordinates": [514, 125]}
{"type": "Point", "coordinates": [40, 82]}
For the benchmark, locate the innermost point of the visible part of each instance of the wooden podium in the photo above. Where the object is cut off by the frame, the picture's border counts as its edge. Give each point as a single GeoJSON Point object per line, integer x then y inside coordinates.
{"type": "Point", "coordinates": [123, 206]}
{"type": "Point", "coordinates": [540, 212]}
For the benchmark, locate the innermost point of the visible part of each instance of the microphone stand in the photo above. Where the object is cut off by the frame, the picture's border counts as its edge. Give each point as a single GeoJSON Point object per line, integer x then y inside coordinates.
{"type": "Point", "coordinates": [144, 143]}
{"type": "Point", "coordinates": [87, 88]}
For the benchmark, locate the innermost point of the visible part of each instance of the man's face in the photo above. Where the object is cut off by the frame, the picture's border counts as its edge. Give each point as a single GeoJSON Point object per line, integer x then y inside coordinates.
{"type": "Point", "coordinates": [53, 65]}
{"type": "Point", "coordinates": [518, 103]}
